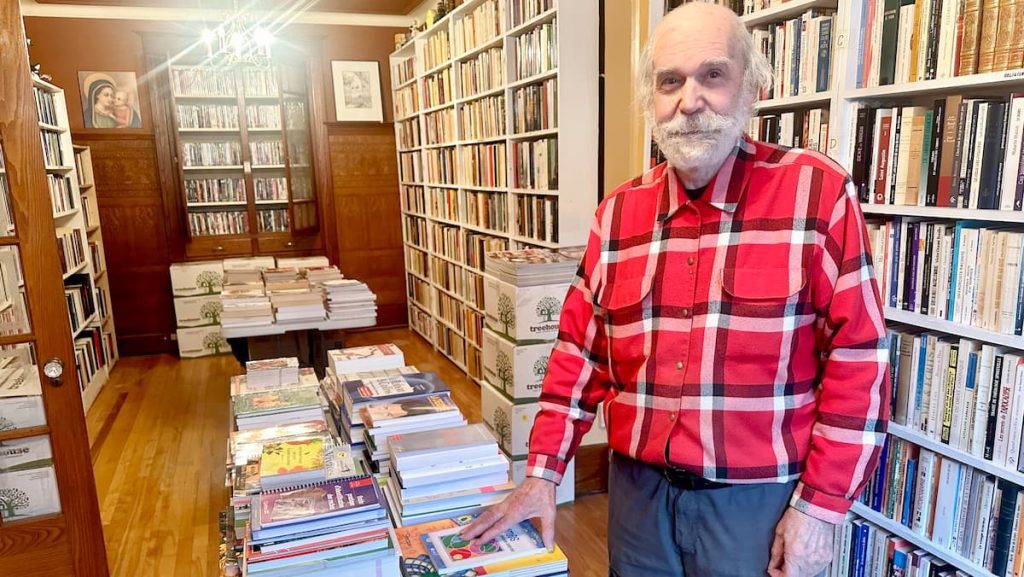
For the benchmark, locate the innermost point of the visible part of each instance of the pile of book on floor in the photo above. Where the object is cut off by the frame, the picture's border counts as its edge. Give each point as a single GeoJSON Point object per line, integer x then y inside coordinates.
{"type": "Point", "coordinates": [444, 473]}
{"type": "Point", "coordinates": [302, 502]}
{"type": "Point", "coordinates": [349, 299]}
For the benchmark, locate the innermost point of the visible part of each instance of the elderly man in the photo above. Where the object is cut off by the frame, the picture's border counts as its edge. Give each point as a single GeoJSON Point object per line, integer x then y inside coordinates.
{"type": "Point", "coordinates": [726, 311]}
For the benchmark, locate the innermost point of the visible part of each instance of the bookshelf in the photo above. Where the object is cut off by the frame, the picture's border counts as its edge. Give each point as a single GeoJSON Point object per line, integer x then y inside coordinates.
{"type": "Point", "coordinates": [854, 86]}
{"type": "Point", "coordinates": [79, 240]}
{"type": "Point", "coordinates": [496, 110]}
{"type": "Point", "coordinates": [244, 159]}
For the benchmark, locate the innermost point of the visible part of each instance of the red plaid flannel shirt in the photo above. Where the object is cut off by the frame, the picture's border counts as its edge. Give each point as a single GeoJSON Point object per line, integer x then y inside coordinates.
{"type": "Point", "coordinates": [742, 330]}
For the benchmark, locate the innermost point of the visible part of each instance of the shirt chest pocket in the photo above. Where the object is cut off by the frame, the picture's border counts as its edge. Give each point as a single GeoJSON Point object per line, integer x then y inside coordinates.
{"type": "Point", "coordinates": [764, 292]}
{"type": "Point", "coordinates": [627, 308]}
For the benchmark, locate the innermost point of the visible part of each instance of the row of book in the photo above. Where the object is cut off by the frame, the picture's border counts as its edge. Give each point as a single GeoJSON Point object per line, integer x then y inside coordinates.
{"type": "Point", "coordinates": [211, 153]}
{"type": "Point", "coordinates": [439, 126]}
{"type": "Point", "coordinates": [272, 220]}
{"type": "Point", "coordinates": [961, 152]}
{"type": "Point", "coordinates": [403, 72]}
{"type": "Point", "coordinates": [484, 118]}
{"type": "Point", "coordinates": [478, 27]}
{"type": "Point", "coordinates": [487, 209]}
{"type": "Point", "coordinates": [482, 165]}
{"type": "Point", "coordinates": [92, 353]}
{"type": "Point", "coordinates": [224, 189]}
{"type": "Point", "coordinates": [966, 272]}
{"type": "Point", "coordinates": [416, 260]}
{"type": "Point", "coordinates": [62, 193]}
{"type": "Point", "coordinates": [407, 101]}
{"type": "Point", "coordinates": [207, 115]}
{"type": "Point", "coordinates": [446, 241]}
{"type": "Point", "coordinates": [449, 310]}
{"type": "Point", "coordinates": [260, 82]}
{"type": "Point", "coordinates": [419, 292]}
{"type": "Point", "coordinates": [263, 116]}
{"type": "Point", "coordinates": [46, 108]}
{"type": "Point", "coordinates": [414, 199]}
{"type": "Point", "coordinates": [959, 508]}
{"type": "Point", "coordinates": [536, 164]}
{"type": "Point", "coordinates": [408, 134]}
{"type": "Point", "coordinates": [445, 274]}
{"type": "Point", "coordinates": [271, 187]}
{"type": "Point", "coordinates": [537, 217]}
{"type": "Point", "coordinates": [807, 129]}
{"type": "Point", "coordinates": [81, 303]}
{"type": "Point", "coordinates": [70, 248]}
{"type": "Point", "coordinates": [800, 52]}
{"type": "Point", "coordinates": [218, 222]}
{"type": "Point", "coordinates": [439, 165]}
{"type": "Point", "coordinates": [267, 152]}
{"type": "Point", "coordinates": [201, 82]}
{"type": "Point", "coordinates": [416, 231]}
{"type": "Point", "coordinates": [444, 203]}
{"type": "Point", "coordinates": [52, 154]}
{"type": "Point", "coordinates": [926, 39]}
{"type": "Point", "coordinates": [436, 50]}
{"type": "Point", "coordinates": [537, 51]}
{"type": "Point", "coordinates": [963, 393]}
{"type": "Point", "coordinates": [438, 88]}
{"type": "Point", "coordinates": [535, 107]}
{"type": "Point", "coordinates": [479, 244]}
{"type": "Point", "coordinates": [526, 10]}
{"type": "Point", "coordinates": [409, 166]}
{"type": "Point", "coordinates": [483, 72]}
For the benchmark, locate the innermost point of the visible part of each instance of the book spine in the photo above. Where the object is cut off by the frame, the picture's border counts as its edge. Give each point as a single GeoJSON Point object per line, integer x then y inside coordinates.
{"type": "Point", "coordinates": [995, 149]}
{"type": "Point", "coordinates": [824, 54]}
{"type": "Point", "coordinates": [895, 161]}
{"type": "Point", "coordinates": [957, 163]}
{"type": "Point", "coordinates": [970, 38]}
{"type": "Point", "coordinates": [990, 18]}
{"type": "Point", "coordinates": [947, 411]}
{"type": "Point", "coordinates": [935, 154]}
{"type": "Point", "coordinates": [861, 143]}
{"type": "Point", "coordinates": [890, 31]}
{"type": "Point", "coordinates": [926, 289]}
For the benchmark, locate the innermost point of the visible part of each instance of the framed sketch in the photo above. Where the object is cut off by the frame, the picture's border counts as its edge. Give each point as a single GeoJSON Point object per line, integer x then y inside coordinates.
{"type": "Point", "coordinates": [357, 94]}
{"type": "Point", "coordinates": [109, 99]}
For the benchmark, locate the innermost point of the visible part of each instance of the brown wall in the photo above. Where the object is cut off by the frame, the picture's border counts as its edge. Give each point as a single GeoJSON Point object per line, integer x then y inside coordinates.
{"type": "Point", "coordinates": [130, 197]}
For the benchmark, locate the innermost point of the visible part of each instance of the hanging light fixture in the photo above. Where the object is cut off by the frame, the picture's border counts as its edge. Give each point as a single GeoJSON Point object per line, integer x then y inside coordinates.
{"type": "Point", "coordinates": [238, 40]}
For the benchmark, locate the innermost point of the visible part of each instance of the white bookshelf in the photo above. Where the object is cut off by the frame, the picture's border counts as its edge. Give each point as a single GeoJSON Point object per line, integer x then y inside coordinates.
{"type": "Point", "coordinates": [576, 72]}
{"type": "Point", "coordinates": [952, 328]}
{"type": "Point", "coordinates": [925, 442]}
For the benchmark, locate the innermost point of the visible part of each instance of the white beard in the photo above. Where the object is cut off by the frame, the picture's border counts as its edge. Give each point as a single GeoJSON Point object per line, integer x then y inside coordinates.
{"type": "Point", "coordinates": [699, 144]}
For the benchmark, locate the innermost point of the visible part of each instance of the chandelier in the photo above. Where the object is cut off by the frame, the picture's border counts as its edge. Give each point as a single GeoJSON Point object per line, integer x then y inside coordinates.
{"type": "Point", "coordinates": [238, 40]}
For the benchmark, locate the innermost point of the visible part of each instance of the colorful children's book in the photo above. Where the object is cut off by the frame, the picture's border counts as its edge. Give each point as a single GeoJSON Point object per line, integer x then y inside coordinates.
{"type": "Point", "coordinates": [450, 552]}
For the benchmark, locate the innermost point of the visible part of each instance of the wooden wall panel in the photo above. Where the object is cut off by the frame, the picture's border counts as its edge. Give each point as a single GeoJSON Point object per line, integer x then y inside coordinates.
{"type": "Point", "coordinates": [134, 219]}
{"type": "Point", "coordinates": [364, 214]}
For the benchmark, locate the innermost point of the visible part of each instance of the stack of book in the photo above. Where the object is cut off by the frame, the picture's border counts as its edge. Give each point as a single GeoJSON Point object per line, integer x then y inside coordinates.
{"type": "Point", "coordinates": [245, 305]}
{"type": "Point", "coordinates": [435, 548]}
{"type": "Point", "coordinates": [321, 274]}
{"type": "Point", "coordinates": [272, 373]}
{"type": "Point", "coordinates": [403, 415]}
{"type": "Point", "coordinates": [242, 276]}
{"type": "Point", "coordinates": [523, 294]}
{"type": "Point", "coordinates": [445, 473]}
{"type": "Point", "coordinates": [297, 307]}
{"type": "Point", "coordinates": [274, 407]}
{"type": "Point", "coordinates": [368, 358]}
{"type": "Point", "coordinates": [280, 275]}
{"type": "Point", "coordinates": [331, 389]}
{"type": "Point", "coordinates": [349, 299]}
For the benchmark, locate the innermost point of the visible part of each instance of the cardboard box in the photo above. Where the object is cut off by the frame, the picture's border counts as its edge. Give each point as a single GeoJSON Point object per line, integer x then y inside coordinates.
{"type": "Point", "coordinates": [202, 342]}
{"type": "Point", "coordinates": [21, 412]}
{"type": "Point", "coordinates": [197, 278]}
{"type": "Point", "coordinates": [518, 370]}
{"type": "Point", "coordinates": [197, 311]}
{"type": "Point", "coordinates": [524, 315]}
{"type": "Point", "coordinates": [249, 263]}
{"type": "Point", "coordinates": [566, 490]}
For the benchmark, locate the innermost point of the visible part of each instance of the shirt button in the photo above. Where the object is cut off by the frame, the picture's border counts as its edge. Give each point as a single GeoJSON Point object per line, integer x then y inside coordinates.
{"type": "Point", "coordinates": [672, 417]}
{"type": "Point", "coordinates": [686, 313]}
{"type": "Point", "coordinates": [690, 261]}
{"type": "Point", "coordinates": [679, 365]}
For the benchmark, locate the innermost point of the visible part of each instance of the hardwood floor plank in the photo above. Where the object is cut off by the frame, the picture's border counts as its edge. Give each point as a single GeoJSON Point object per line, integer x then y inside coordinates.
{"type": "Point", "coordinates": [160, 429]}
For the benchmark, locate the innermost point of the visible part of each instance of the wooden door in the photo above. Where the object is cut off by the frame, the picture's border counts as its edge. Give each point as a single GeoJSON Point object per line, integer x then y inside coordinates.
{"type": "Point", "coordinates": [59, 533]}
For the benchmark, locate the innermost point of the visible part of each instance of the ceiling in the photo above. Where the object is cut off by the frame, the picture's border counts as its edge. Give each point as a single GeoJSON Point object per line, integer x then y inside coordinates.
{"type": "Point", "coordinates": [392, 7]}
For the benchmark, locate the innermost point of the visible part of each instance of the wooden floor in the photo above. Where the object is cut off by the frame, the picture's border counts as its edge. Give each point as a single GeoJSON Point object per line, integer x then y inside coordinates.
{"type": "Point", "coordinates": [158, 433]}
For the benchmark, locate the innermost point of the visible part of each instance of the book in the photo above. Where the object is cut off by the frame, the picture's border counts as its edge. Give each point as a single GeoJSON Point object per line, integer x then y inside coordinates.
{"type": "Point", "coordinates": [318, 501]}
{"type": "Point", "coordinates": [418, 449]}
{"type": "Point", "coordinates": [273, 401]}
{"type": "Point", "coordinates": [368, 358]}
{"type": "Point", "coordinates": [356, 394]}
{"type": "Point", "coordinates": [450, 552]}
{"type": "Point", "coordinates": [292, 462]}
{"type": "Point", "coordinates": [405, 412]}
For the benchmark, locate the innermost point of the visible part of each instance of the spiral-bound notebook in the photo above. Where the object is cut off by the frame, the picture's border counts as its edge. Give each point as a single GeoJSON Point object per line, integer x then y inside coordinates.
{"type": "Point", "coordinates": [318, 501]}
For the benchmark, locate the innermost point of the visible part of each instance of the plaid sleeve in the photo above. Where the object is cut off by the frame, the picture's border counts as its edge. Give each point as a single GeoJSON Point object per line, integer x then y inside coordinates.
{"type": "Point", "coordinates": [853, 411]}
{"type": "Point", "coordinates": [577, 379]}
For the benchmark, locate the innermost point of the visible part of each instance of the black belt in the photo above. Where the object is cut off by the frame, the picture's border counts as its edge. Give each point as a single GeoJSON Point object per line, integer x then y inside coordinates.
{"type": "Point", "coordinates": [688, 481]}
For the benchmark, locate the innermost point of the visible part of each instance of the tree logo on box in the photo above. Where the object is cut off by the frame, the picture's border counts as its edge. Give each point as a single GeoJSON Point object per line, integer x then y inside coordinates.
{"type": "Point", "coordinates": [210, 281]}
{"type": "Point", "coordinates": [214, 342]}
{"type": "Point", "coordinates": [211, 311]}
{"type": "Point", "coordinates": [503, 427]}
{"type": "Point", "coordinates": [540, 368]}
{"type": "Point", "coordinates": [6, 424]}
{"type": "Point", "coordinates": [504, 366]}
{"type": "Point", "coordinates": [12, 499]}
{"type": "Point", "coordinates": [548, 307]}
{"type": "Point", "coordinates": [507, 313]}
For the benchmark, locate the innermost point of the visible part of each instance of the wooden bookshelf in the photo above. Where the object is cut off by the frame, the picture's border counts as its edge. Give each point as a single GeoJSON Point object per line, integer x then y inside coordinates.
{"type": "Point", "coordinates": [487, 78]}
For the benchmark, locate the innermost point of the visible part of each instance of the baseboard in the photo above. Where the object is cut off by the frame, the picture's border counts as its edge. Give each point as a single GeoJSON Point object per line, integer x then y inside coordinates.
{"type": "Point", "coordinates": [592, 469]}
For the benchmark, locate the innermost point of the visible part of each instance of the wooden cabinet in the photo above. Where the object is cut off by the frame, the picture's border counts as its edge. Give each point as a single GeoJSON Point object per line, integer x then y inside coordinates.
{"type": "Point", "coordinates": [237, 151]}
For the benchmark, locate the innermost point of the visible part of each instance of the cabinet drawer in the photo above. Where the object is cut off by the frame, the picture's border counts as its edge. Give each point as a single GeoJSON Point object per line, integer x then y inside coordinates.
{"type": "Point", "coordinates": [218, 247]}
{"type": "Point", "coordinates": [288, 244]}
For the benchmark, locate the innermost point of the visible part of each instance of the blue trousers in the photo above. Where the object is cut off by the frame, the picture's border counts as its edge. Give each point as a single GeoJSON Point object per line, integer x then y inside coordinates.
{"type": "Point", "coordinates": [656, 529]}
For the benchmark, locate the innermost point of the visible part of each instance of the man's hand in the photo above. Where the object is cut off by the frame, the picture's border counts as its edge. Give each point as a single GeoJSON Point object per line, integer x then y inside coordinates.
{"type": "Point", "coordinates": [534, 498]}
{"type": "Point", "coordinates": [802, 547]}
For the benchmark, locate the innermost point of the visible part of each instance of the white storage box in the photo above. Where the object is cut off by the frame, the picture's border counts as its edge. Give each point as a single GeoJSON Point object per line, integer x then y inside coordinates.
{"type": "Point", "coordinates": [518, 370]}
{"type": "Point", "coordinates": [21, 412]}
{"type": "Point", "coordinates": [197, 311]}
{"type": "Point", "coordinates": [564, 493]}
{"type": "Point", "coordinates": [202, 342]}
{"type": "Point", "coordinates": [250, 263]}
{"type": "Point", "coordinates": [525, 315]}
{"type": "Point", "coordinates": [197, 278]}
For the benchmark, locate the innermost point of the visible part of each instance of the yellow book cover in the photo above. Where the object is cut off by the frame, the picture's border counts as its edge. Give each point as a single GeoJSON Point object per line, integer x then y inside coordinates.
{"type": "Point", "coordinates": [292, 456]}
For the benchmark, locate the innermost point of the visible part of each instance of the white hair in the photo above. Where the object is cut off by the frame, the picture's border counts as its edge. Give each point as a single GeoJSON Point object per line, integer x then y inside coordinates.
{"type": "Point", "coordinates": [757, 73]}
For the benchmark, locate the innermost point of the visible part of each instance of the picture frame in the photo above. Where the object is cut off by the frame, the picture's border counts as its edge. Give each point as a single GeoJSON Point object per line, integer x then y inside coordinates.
{"type": "Point", "coordinates": [357, 94]}
{"type": "Point", "coordinates": [109, 99]}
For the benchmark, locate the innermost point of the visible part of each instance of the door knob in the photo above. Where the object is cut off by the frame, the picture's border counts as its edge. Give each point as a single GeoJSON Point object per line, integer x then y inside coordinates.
{"type": "Point", "coordinates": [54, 370]}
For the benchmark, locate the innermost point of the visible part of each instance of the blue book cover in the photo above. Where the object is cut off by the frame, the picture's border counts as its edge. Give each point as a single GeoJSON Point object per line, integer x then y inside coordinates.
{"type": "Point", "coordinates": [908, 493]}
{"type": "Point", "coordinates": [880, 473]}
{"type": "Point", "coordinates": [894, 272]}
{"type": "Point", "coordinates": [922, 357]}
{"type": "Point", "coordinates": [377, 389]}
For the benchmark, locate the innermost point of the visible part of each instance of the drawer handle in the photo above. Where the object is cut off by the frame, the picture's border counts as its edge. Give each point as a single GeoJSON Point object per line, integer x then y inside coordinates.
{"type": "Point", "coordinates": [290, 243]}
{"type": "Point", "coordinates": [219, 248]}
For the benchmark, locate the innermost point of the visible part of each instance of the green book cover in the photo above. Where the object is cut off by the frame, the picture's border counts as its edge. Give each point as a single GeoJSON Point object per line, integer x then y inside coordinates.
{"type": "Point", "coordinates": [890, 35]}
{"type": "Point", "coordinates": [273, 401]}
